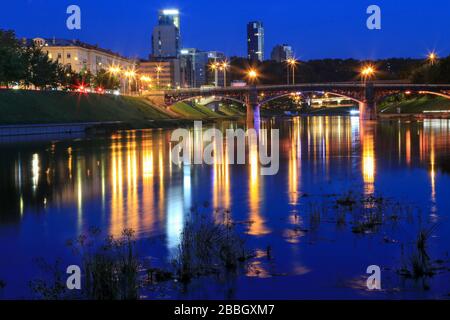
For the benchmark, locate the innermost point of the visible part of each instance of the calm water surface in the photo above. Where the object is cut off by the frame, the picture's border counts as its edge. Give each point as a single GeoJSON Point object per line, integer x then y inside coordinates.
{"type": "Point", "coordinates": [52, 191]}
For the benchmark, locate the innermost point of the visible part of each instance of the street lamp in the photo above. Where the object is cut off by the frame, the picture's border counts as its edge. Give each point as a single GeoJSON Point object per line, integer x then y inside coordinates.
{"type": "Point", "coordinates": [130, 74]}
{"type": "Point", "coordinates": [367, 72]}
{"type": "Point", "coordinates": [158, 71]}
{"type": "Point", "coordinates": [292, 62]}
{"type": "Point", "coordinates": [432, 57]}
{"type": "Point", "coordinates": [215, 66]}
{"type": "Point", "coordinates": [146, 80]}
{"type": "Point", "coordinates": [114, 70]}
{"type": "Point", "coordinates": [252, 74]}
{"type": "Point", "coordinates": [225, 66]}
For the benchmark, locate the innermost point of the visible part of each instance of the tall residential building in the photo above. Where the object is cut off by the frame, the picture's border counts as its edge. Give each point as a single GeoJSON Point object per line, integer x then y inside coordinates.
{"type": "Point", "coordinates": [166, 36]}
{"type": "Point", "coordinates": [281, 52]}
{"type": "Point", "coordinates": [255, 41]}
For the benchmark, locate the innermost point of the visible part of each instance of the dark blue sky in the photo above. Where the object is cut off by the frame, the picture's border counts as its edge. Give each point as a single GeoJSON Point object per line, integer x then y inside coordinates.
{"type": "Point", "coordinates": [315, 28]}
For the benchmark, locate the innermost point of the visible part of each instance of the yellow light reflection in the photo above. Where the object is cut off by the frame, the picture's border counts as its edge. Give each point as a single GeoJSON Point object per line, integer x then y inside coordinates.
{"type": "Point", "coordinates": [35, 170]}
{"type": "Point", "coordinates": [257, 226]}
{"type": "Point", "coordinates": [368, 157]}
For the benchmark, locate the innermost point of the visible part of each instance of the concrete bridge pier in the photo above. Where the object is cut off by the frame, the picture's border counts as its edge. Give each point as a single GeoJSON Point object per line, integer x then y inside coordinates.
{"type": "Point", "coordinates": [251, 101]}
{"type": "Point", "coordinates": [368, 108]}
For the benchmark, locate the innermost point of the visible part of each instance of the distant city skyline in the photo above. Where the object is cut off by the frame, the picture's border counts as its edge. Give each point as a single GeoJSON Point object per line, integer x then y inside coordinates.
{"type": "Point", "coordinates": [322, 29]}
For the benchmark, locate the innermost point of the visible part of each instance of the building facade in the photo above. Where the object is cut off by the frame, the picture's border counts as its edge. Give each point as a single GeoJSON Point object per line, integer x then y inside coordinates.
{"type": "Point", "coordinates": [281, 53]}
{"type": "Point", "coordinates": [82, 56]}
{"type": "Point", "coordinates": [166, 37]}
{"type": "Point", "coordinates": [202, 72]}
{"type": "Point", "coordinates": [163, 73]}
{"type": "Point", "coordinates": [255, 41]}
{"type": "Point", "coordinates": [215, 75]}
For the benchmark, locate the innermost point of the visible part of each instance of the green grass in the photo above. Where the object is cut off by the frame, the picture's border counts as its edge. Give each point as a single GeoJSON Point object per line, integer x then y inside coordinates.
{"type": "Point", "coordinates": [187, 111]}
{"type": "Point", "coordinates": [207, 111]}
{"type": "Point", "coordinates": [416, 104]}
{"type": "Point", "coordinates": [231, 111]}
{"type": "Point", "coordinates": [28, 107]}
{"type": "Point", "coordinates": [194, 112]}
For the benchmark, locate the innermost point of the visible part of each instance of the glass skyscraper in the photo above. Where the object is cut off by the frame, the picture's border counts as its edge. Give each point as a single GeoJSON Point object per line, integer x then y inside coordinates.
{"type": "Point", "coordinates": [166, 36]}
{"type": "Point", "coordinates": [255, 41]}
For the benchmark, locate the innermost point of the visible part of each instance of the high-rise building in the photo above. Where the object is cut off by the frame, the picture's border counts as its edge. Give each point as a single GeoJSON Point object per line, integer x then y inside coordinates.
{"type": "Point", "coordinates": [255, 41]}
{"type": "Point", "coordinates": [193, 68]}
{"type": "Point", "coordinates": [166, 36]}
{"type": "Point", "coordinates": [201, 63]}
{"type": "Point", "coordinates": [169, 17]}
{"type": "Point", "coordinates": [281, 52]}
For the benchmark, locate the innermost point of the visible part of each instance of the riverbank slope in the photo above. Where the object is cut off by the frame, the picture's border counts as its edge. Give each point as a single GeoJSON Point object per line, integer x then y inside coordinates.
{"type": "Point", "coordinates": [23, 107]}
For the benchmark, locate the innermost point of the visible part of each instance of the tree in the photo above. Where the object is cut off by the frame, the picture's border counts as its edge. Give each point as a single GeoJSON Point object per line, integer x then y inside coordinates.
{"type": "Point", "coordinates": [105, 80]}
{"type": "Point", "coordinates": [432, 73]}
{"type": "Point", "coordinates": [67, 78]}
{"type": "Point", "coordinates": [12, 59]}
{"type": "Point", "coordinates": [42, 72]}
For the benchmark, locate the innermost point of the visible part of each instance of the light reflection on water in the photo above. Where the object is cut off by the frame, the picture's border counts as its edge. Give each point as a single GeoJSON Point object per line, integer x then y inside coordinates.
{"type": "Point", "coordinates": [54, 191]}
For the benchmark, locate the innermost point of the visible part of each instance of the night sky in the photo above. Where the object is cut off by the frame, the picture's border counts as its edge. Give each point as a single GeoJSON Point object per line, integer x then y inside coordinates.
{"type": "Point", "coordinates": [315, 29]}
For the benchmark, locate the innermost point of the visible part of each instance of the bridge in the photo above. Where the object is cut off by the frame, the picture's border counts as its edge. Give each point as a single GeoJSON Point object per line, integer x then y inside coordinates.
{"type": "Point", "coordinates": [366, 94]}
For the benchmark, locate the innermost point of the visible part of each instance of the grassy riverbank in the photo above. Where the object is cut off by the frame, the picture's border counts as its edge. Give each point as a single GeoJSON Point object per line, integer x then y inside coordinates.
{"type": "Point", "coordinates": [415, 105]}
{"type": "Point", "coordinates": [32, 107]}
{"type": "Point", "coordinates": [42, 107]}
{"type": "Point", "coordinates": [196, 111]}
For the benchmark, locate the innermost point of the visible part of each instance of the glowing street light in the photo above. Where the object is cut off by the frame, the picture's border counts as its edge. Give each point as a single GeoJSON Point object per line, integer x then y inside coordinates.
{"type": "Point", "coordinates": [252, 74]}
{"type": "Point", "coordinates": [114, 70]}
{"type": "Point", "coordinates": [225, 66]}
{"type": "Point", "coordinates": [432, 57]}
{"type": "Point", "coordinates": [158, 71]}
{"type": "Point", "coordinates": [130, 74]}
{"type": "Point", "coordinates": [367, 72]}
{"type": "Point", "coordinates": [215, 66]}
{"type": "Point", "coordinates": [292, 62]}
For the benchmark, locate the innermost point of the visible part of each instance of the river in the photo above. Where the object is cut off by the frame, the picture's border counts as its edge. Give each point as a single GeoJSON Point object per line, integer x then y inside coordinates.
{"type": "Point", "coordinates": [56, 188]}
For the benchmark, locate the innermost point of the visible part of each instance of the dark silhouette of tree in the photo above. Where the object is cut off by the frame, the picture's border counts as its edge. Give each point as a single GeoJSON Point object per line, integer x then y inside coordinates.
{"type": "Point", "coordinates": [105, 80]}
{"type": "Point", "coordinates": [12, 64]}
{"type": "Point", "coordinates": [436, 73]}
{"type": "Point", "coordinates": [41, 72]}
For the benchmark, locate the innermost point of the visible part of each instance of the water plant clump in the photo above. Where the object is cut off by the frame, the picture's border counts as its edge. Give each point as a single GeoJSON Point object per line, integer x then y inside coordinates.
{"type": "Point", "coordinates": [368, 222]}
{"type": "Point", "coordinates": [347, 200]}
{"type": "Point", "coordinates": [419, 264]}
{"type": "Point", "coordinates": [208, 247]}
{"type": "Point", "coordinates": [109, 267]}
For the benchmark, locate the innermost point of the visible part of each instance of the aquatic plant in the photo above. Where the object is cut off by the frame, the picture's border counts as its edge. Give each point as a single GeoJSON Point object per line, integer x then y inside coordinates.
{"type": "Point", "coordinates": [110, 268]}
{"type": "Point", "coordinates": [208, 247]}
{"type": "Point", "coordinates": [347, 200]}
{"type": "Point", "coordinates": [419, 263]}
{"type": "Point", "coordinates": [52, 285]}
{"type": "Point", "coordinates": [368, 222]}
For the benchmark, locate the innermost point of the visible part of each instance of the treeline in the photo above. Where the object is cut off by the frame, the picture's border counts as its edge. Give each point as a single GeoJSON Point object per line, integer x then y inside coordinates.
{"type": "Point", "coordinates": [435, 73]}
{"type": "Point", "coordinates": [29, 66]}
{"type": "Point", "coordinates": [340, 70]}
